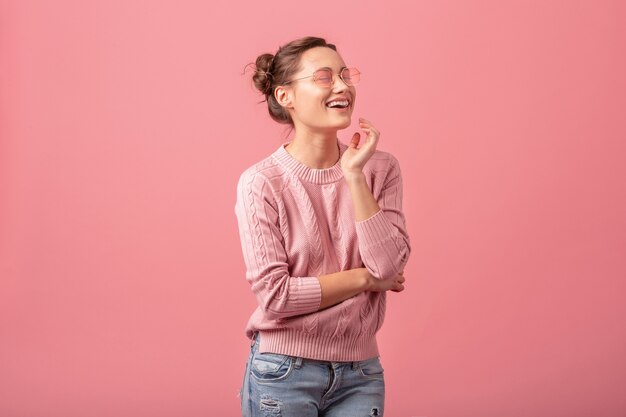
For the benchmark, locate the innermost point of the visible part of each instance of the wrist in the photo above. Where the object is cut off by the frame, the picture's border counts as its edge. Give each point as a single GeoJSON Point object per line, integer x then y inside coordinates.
{"type": "Point", "coordinates": [366, 279]}
{"type": "Point", "coordinates": [354, 177]}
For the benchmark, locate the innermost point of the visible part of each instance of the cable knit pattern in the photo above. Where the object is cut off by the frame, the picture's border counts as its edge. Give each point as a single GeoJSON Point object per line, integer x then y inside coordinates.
{"type": "Point", "coordinates": [311, 228]}
{"type": "Point", "coordinates": [336, 230]}
{"type": "Point", "coordinates": [297, 223]}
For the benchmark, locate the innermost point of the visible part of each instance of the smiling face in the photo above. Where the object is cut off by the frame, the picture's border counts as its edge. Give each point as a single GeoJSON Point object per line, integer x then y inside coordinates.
{"type": "Point", "coordinates": [307, 102]}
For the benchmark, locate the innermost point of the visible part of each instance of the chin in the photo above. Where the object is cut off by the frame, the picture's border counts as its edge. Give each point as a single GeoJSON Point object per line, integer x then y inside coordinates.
{"type": "Point", "coordinates": [344, 122]}
{"type": "Point", "coordinates": [345, 125]}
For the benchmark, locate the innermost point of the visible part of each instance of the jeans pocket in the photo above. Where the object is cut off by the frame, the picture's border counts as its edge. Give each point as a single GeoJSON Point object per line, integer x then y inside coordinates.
{"type": "Point", "coordinates": [371, 368]}
{"type": "Point", "coordinates": [270, 367]}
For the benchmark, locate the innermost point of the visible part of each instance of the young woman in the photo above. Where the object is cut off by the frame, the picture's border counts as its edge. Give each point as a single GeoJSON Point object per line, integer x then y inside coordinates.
{"type": "Point", "coordinates": [324, 238]}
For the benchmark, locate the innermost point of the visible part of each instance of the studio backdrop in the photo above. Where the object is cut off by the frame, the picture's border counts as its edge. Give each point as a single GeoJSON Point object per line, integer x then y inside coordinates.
{"type": "Point", "coordinates": [124, 126]}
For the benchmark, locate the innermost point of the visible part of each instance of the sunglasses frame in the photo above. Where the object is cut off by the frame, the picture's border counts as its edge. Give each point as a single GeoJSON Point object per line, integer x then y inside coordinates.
{"type": "Point", "coordinates": [332, 77]}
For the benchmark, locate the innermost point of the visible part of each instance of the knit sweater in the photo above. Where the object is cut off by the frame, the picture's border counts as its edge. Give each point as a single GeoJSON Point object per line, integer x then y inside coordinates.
{"type": "Point", "coordinates": [297, 223]}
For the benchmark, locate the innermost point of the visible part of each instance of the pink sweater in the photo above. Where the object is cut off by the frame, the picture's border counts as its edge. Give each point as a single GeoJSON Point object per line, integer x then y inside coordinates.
{"type": "Point", "coordinates": [296, 223]}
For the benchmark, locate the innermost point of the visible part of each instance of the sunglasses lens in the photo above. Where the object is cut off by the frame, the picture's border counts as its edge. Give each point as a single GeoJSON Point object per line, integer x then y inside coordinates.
{"type": "Point", "coordinates": [324, 78]}
{"type": "Point", "coordinates": [351, 76]}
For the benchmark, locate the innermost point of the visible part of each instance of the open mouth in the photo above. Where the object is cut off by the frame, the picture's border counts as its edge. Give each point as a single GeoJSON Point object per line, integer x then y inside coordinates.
{"type": "Point", "coordinates": [338, 104]}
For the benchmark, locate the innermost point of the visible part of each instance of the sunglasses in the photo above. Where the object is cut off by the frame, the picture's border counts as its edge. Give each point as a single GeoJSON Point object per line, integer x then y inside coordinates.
{"type": "Point", "coordinates": [324, 77]}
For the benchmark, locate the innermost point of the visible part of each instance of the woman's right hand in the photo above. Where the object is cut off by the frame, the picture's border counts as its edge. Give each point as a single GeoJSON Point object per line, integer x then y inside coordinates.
{"type": "Point", "coordinates": [353, 159]}
{"type": "Point", "coordinates": [394, 284]}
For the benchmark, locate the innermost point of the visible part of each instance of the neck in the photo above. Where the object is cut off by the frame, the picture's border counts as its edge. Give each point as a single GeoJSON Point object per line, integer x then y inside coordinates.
{"type": "Point", "coordinates": [315, 150]}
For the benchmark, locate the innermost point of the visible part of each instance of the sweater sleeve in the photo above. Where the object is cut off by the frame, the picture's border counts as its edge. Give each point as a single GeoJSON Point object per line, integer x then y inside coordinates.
{"type": "Point", "coordinates": [383, 239]}
{"type": "Point", "coordinates": [279, 295]}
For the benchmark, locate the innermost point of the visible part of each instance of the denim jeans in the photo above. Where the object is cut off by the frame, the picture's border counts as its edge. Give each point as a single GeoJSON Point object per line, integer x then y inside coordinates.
{"type": "Point", "coordinates": [288, 386]}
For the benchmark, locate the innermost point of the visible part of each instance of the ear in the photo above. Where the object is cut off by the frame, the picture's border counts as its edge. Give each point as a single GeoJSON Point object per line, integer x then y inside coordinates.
{"type": "Point", "coordinates": [284, 96]}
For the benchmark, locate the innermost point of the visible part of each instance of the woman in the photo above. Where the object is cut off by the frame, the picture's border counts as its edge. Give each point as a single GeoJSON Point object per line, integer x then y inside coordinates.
{"type": "Point", "coordinates": [323, 238]}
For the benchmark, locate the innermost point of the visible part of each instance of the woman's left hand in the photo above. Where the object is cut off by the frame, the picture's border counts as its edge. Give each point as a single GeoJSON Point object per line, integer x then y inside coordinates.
{"type": "Point", "coordinates": [354, 159]}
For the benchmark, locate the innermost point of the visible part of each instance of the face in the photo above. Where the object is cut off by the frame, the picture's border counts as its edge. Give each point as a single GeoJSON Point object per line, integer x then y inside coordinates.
{"type": "Point", "coordinates": [307, 102]}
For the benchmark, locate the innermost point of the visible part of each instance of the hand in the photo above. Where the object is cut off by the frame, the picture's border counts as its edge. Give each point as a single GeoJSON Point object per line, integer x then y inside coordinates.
{"type": "Point", "coordinates": [392, 284]}
{"type": "Point", "coordinates": [353, 159]}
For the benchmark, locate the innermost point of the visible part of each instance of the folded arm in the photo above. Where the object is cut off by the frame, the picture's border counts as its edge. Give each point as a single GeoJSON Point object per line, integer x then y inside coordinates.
{"type": "Point", "coordinates": [279, 294]}
{"type": "Point", "coordinates": [384, 242]}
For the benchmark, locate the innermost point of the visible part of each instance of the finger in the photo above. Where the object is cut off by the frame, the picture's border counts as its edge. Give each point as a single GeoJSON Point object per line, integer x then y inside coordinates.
{"type": "Point", "coordinates": [371, 139]}
{"type": "Point", "coordinates": [395, 289]}
{"type": "Point", "coordinates": [370, 130]}
{"type": "Point", "coordinates": [355, 140]}
{"type": "Point", "coordinates": [367, 124]}
{"type": "Point", "coordinates": [373, 132]}
{"type": "Point", "coordinates": [369, 134]}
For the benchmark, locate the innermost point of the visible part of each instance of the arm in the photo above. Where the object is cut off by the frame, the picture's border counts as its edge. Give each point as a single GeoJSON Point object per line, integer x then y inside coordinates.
{"type": "Point", "coordinates": [384, 243]}
{"type": "Point", "coordinates": [280, 295]}
{"type": "Point", "coordinates": [342, 285]}
{"type": "Point", "coordinates": [365, 206]}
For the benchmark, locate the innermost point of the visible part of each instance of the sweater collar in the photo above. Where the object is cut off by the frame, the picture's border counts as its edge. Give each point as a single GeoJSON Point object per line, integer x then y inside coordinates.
{"type": "Point", "coordinates": [313, 175]}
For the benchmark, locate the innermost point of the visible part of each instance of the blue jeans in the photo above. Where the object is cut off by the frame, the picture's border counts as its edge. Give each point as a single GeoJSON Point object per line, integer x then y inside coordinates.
{"type": "Point", "coordinates": [288, 386]}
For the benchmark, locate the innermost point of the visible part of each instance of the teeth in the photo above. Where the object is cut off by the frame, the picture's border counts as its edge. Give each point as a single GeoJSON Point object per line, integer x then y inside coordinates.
{"type": "Point", "coordinates": [338, 102]}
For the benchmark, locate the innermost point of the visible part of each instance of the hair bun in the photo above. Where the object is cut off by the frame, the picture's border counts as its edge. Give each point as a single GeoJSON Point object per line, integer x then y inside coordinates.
{"type": "Point", "coordinates": [263, 77]}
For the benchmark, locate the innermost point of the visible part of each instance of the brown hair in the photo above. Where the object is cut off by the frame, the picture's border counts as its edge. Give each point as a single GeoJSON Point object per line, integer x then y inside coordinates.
{"type": "Point", "coordinates": [274, 70]}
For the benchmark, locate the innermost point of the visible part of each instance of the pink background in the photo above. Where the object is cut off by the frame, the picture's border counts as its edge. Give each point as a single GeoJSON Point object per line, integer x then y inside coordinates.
{"type": "Point", "coordinates": [124, 126]}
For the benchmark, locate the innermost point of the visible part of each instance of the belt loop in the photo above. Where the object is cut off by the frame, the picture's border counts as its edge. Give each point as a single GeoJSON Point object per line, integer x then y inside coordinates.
{"type": "Point", "coordinates": [298, 363]}
{"type": "Point", "coordinates": [355, 366]}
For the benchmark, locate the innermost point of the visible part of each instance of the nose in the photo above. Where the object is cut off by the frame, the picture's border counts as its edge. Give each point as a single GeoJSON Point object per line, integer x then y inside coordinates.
{"type": "Point", "coordinates": [339, 84]}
